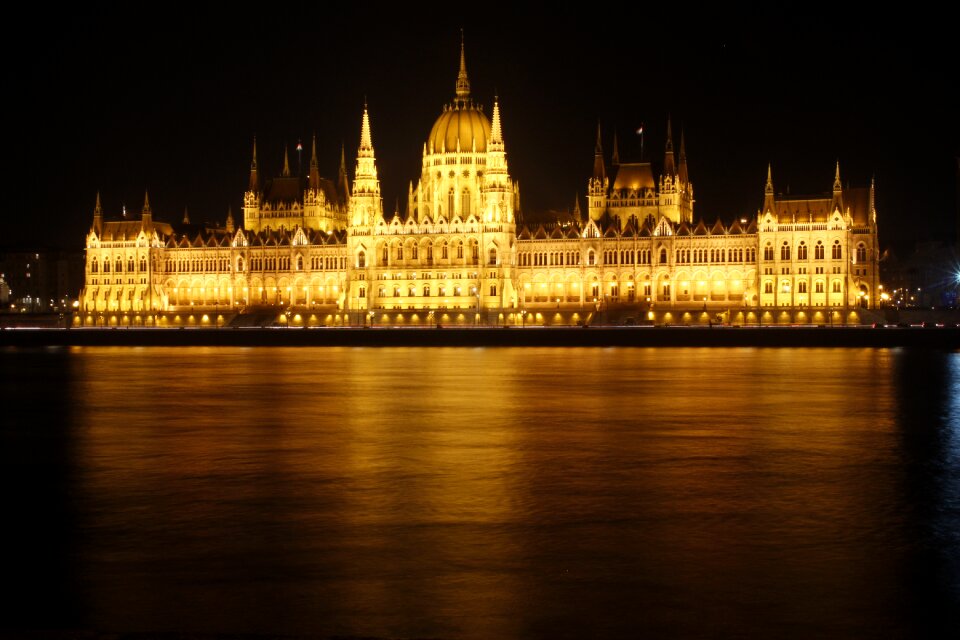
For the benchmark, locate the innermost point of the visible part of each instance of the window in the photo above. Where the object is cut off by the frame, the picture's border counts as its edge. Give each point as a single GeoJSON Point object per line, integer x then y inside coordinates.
{"type": "Point", "coordinates": [299, 263]}
{"type": "Point", "coordinates": [818, 250]}
{"type": "Point", "coordinates": [836, 286]}
{"type": "Point", "coordinates": [450, 197]}
{"type": "Point", "coordinates": [415, 252]}
{"type": "Point", "coordinates": [93, 266]}
{"type": "Point", "coordinates": [861, 253]}
{"type": "Point", "coordinates": [426, 291]}
{"type": "Point", "coordinates": [802, 251]}
{"type": "Point", "coordinates": [785, 251]}
{"type": "Point", "coordinates": [460, 250]}
{"type": "Point", "coordinates": [818, 286]}
{"type": "Point", "coordinates": [837, 252]}
{"type": "Point", "coordinates": [591, 258]}
{"type": "Point", "coordinates": [119, 268]}
{"type": "Point", "coordinates": [493, 290]}
{"type": "Point", "coordinates": [443, 251]}
{"type": "Point", "coordinates": [802, 287]}
{"type": "Point", "coordinates": [493, 256]}
{"type": "Point", "coordinates": [363, 292]}
{"type": "Point", "coordinates": [396, 291]}
{"type": "Point", "coordinates": [768, 287]}
{"type": "Point", "coordinates": [465, 204]}
{"type": "Point", "coordinates": [666, 291]}
{"type": "Point", "coordinates": [361, 260]}
{"type": "Point", "coordinates": [768, 252]}
{"type": "Point", "coordinates": [663, 256]}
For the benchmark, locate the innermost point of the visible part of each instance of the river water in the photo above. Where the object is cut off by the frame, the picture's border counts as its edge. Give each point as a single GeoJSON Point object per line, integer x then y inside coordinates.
{"type": "Point", "coordinates": [482, 492]}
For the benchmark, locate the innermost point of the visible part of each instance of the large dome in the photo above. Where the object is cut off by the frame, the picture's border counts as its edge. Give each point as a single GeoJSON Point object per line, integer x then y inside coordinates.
{"type": "Point", "coordinates": [463, 122]}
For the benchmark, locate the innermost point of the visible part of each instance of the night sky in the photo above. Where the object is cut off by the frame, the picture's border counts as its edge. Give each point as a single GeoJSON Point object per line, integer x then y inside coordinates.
{"type": "Point", "coordinates": [170, 102]}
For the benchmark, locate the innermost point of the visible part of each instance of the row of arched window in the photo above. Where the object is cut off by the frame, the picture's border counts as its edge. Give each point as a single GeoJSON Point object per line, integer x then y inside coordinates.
{"type": "Point", "coordinates": [133, 266]}
{"type": "Point", "coordinates": [707, 256]}
{"type": "Point", "coordinates": [818, 286]}
{"type": "Point", "coordinates": [819, 251]}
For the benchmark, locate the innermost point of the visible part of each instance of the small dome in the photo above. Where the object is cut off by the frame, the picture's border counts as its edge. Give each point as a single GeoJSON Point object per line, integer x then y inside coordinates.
{"type": "Point", "coordinates": [463, 122]}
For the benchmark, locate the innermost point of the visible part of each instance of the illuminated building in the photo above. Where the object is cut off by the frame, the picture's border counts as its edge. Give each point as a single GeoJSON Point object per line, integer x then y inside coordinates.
{"type": "Point", "coordinates": [320, 252]}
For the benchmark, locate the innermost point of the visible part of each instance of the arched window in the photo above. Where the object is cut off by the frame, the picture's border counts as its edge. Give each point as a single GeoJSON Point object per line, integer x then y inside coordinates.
{"type": "Point", "coordinates": [818, 250]}
{"type": "Point", "coordinates": [768, 287]}
{"type": "Point", "coordinates": [411, 291]}
{"type": "Point", "coordinates": [768, 252]}
{"type": "Point", "coordinates": [493, 256]}
{"type": "Point", "coordinates": [663, 256]}
{"type": "Point", "coordinates": [119, 268]}
{"type": "Point", "coordinates": [861, 253]}
{"type": "Point", "coordinates": [591, 258]}
{"type": "Point", "coordinates": [450, 198]}
{"type": "Point", "coordinates": [802, 251]}
{"type": "Point", "coordinates": [385, 257]}
{"type": "Point", "coordinates": [361, 260]}
{"type": "Point", "coordinates": [465, 203]}
{"type": "Point", "coordinates": [785, 251]}
{"type": "Point", "coordinates": [459, 250]}
{"type": "Point", "coordinates": [426, 291]}
{"type": "Point", "coordinates": [837, 251]}
{"type": "Point", "coordinates": [240, 263]}
{"type": "Point", "coordinates": [415, 252]}
{"type": "Point", "coordinates": [802, 287]}
{"type": "Point", "coordinates": [130, 264]}
{"type": "Point", "coordinates": [836, 286]}
{"type": "Point", "coordinates": [818, 286]}
{"type": "Point", "coordinates": [299, 263]}
{"type": "Point", "coordinates": [93, 266]}
{"type": "Point", "coordinates": [444, 254]}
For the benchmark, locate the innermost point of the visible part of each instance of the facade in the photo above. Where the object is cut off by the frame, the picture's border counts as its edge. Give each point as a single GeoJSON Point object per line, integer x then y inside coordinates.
{"type": "Point", "coordinates": [312, 251]}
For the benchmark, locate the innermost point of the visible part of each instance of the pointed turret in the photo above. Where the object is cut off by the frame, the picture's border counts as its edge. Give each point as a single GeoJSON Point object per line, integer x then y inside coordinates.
{"type": "Point", "coordinates": [463, 83]}
{"type": "Point", "coordinates": [98, 216]}
{"type": "Point", "coordinates": [496, 134]}
{"type": "Point", "coordinates": [669, 169]}
{"type": "Point", "coordinates": [837, 191]}
{"type": "Point", "coordinates": [146, 214]}
{"type": "Point", "coordinates": [254, 178]}
{"type": "Point", "coordinates": [599, 171]}
{"type": "Point", "coordinates": [314, 182]}
{"type": "Point", "coordinates": [286, 162]}
{"type": "Point", "coordinates": [365, 203]}
{"type": "Point", "coordinates": [230, 224]}
{"type": "Point", "coordinates": [343, 182]}
{"type": "Point", "coordinates": [186, 215]}
{"type": "Point", "coordinates": [872, 205]}
{"type": "Point", "coordinates": [577, 215]}
{"type": "Point", "coordinates": [615, 160]}
{"type": "Point", "coordinates": [682, 171]}
{"type": "Point", "coordinates": [769, 205]}
{"type": "Point", "coordinates": [366, 139]}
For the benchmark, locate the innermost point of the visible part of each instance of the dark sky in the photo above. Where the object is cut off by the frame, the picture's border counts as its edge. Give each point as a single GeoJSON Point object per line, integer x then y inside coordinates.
{"type": "Point", "coordinates": [170, 101]}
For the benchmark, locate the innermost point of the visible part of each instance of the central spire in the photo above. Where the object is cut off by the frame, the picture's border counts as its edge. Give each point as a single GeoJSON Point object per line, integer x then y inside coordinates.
{"type": "Point", "coordinates": [463, 83]}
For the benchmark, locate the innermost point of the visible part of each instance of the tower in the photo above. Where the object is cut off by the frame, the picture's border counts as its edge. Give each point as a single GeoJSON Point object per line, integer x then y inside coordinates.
{"type": "Point", "coordinates": [366, 205]}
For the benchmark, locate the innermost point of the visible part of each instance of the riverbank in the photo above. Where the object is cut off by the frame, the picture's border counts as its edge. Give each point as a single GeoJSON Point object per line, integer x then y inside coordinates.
{"type": "Point", "coordinates": [717, 336]}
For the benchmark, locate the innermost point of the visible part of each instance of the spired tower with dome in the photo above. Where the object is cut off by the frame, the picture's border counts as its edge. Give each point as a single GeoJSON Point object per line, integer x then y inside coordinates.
{"type": "Point", "coordinates": [455, 248]}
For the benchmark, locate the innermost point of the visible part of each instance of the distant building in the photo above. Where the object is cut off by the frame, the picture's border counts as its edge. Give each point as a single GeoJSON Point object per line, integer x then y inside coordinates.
{"type": "Point", "coordinates": [322, 252]}
{"type": "Point", "coordinates": [40, 280]}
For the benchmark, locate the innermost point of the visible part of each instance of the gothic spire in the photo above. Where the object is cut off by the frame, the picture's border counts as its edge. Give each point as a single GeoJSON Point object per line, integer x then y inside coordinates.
{"type": "Point", "coordinates": [314, 165]}
{"type": "Point", "coordinates": [769, 203]}
{"type": "Point", "coordinates": [684, 177]}
{"type": "Point", "coordinates": [616, 152]}
{"type": "Point", "coordinates": [254, 184]}
{"type": "Point", "coordinates": [836, 178]}
{"type": "Point", "coordinates": [463, 83]}
{"type": "Point", "coordinates": [97, 215]}
{"type": "Point", "coordinates": [286, 162]}
{"type": "Point", "coordinates": [769, 188]}
{"type": "Point", "coordinates": [146, 202]}
{"type": "Point", "coordinates": [186, 215]}
{"type": "Point", "coordinates": [230, 224]}
{"type": "Point", "coordinates": [496, 134]}
{"type": "Point", "coordinates": [669, 168]}
{"type": "Point", "coordinates": [599, 171]}
{"type": "Point", "coordinates": [366, 139]}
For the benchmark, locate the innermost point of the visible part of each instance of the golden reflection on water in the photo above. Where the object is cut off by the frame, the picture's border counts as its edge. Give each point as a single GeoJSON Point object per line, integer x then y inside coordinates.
{"type": "Point", "coordinates": [484, 493]}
